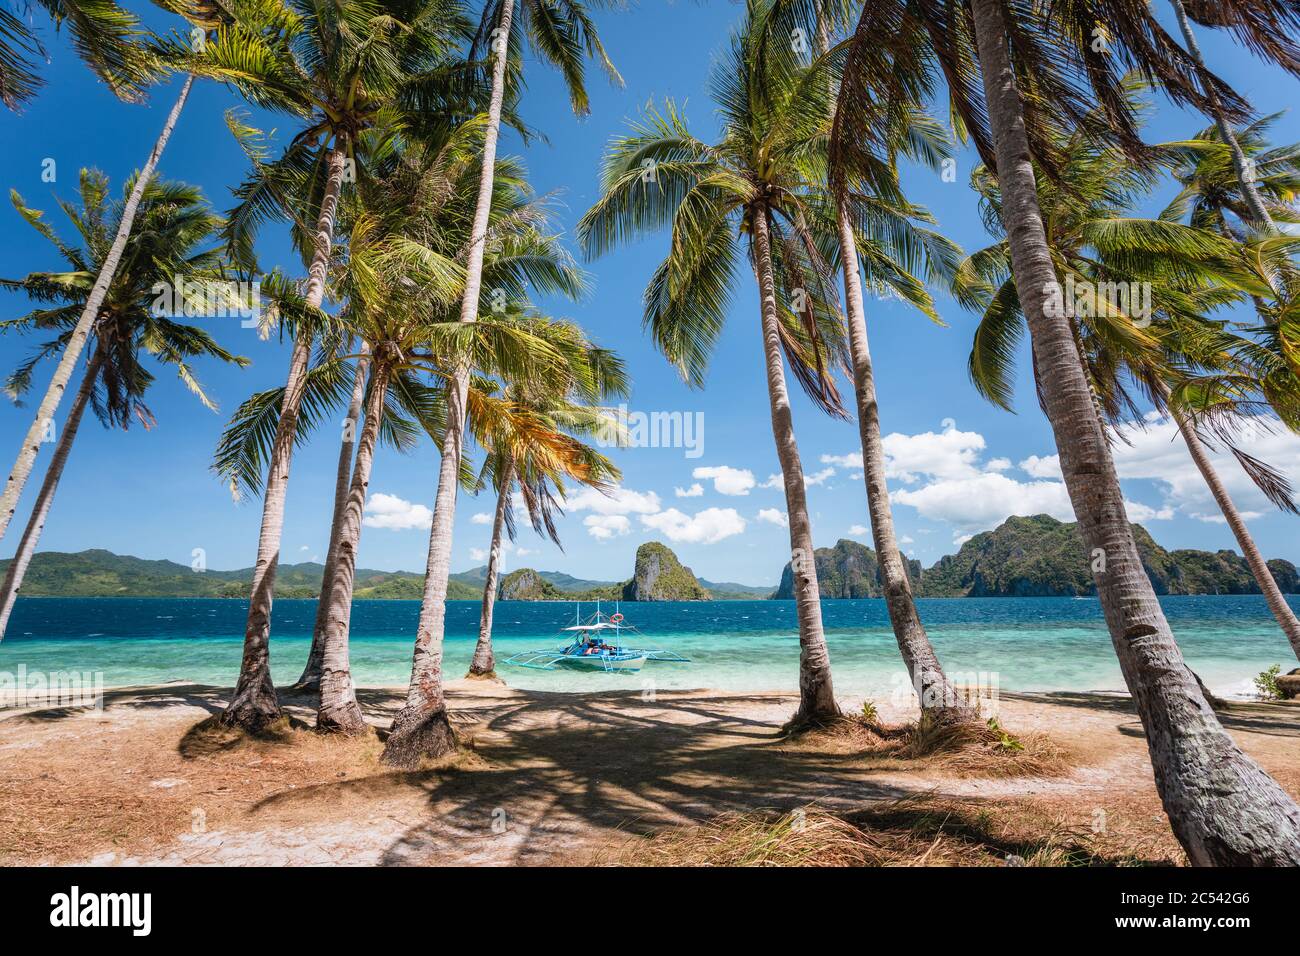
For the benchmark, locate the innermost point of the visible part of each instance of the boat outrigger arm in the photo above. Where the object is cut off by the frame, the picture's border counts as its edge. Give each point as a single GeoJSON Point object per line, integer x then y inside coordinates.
{"type": "Point", "coordinates": [596, 644]}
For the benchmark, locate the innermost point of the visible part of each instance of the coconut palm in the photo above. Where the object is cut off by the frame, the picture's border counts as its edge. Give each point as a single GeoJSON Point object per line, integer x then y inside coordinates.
{"type": "Point", "coordinates": [105, 35]}
{"type": "Point", "coordinates": [758, 190]}
{"type": "Point", "coordinates": [1097, 242]}
{"type": "Point", "coordinates": [536, 460]}
{"type": "Point", "coordinates": [175, 224]}
{"type": "Point", "coordinates": [881, 235]}
{"type": "Point", "coordinates": [562, 34]}
{"type": "Point", "coordinates": [340, 71]}
{"type": "Point", "coordinates": [1040, 69]}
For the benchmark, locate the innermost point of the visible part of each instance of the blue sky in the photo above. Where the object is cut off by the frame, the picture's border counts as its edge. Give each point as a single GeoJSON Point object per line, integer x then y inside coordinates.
{"type": "Point", "coordinates": [958, 465]}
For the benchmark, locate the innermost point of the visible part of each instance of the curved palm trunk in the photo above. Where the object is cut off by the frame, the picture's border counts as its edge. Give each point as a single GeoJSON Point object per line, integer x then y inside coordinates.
{"type": "Point", "coordinates": [254, 704]}
{"type": "Point", "coordinates": [31, 445]}
{"type": "Point", "coordinates": [483, 664]}
{"type": "Point", "coordinates": [1223, 808]}
{"type": "Point", "coordinates": [22, 559]}
{"type": "Point", "coordinates": [421, 727]}
{"type": "Point", "coordinates": [309, 682]}
{"type": "Point", "coordinates": [936, 693]}
{"type": "Point", "coordinates": [816, 696]}
{"type": "Point", "coordinates": [1286, 618]}
{"type": "Point", "coordinates": [338, 712]}
{"type": "Point", "coordinates": [1254, 202]}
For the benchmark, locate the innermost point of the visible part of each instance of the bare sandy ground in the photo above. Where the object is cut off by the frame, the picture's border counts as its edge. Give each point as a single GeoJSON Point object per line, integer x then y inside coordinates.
{"type": "Point", "coordinates": [546, 778]}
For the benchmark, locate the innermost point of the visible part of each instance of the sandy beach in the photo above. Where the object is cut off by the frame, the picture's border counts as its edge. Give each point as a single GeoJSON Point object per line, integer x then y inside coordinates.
{"type": "Point", "coordinates": [571, 778]}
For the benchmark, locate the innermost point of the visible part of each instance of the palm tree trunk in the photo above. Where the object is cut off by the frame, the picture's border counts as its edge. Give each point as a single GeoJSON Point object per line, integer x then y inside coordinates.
{"type": "Point", "coordinates": [40, 511]}
{"type": "Point", "coordinates": [254, 704]}
{"type": "Point", "coordinates": [309, 682]}
{"type": "Point", "coordinates": [816, 695]}
{"type": "Point", "coordinates": [421, 728]}
{"type": "Point", "coordinates": [1286, 618]}
{"type": "Point", "coordinates": [338, 712]}
{"type": "Point", "coordinates": [1223, 808]}
{"type": "Point", "coordinates": [1254, 202]}
{"type": "Point", "coordinates": [27, 452]}
{"type": "Point", "coordinates": [936, 693]}
{"type": "Point", "coordinates": [483, 664]}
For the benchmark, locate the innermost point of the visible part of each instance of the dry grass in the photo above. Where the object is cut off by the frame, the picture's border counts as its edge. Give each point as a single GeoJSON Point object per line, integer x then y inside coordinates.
{"type": "Point", "coordinates": [969, 749]}
{"type": "Point", "coordinates": [909, 832]}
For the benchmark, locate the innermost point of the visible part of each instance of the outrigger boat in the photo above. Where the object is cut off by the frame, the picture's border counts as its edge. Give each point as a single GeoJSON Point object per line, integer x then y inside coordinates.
{"type": "Point", "coordinates": [596, 644]}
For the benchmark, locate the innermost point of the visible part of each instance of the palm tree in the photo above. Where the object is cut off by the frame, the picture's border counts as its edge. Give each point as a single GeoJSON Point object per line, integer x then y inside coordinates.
{"type": "Point", "coordinates": [1224, 809]}
{"type": "Point", "coordinates": [174, 224]}
{"type": "Point", "coordinates": [880, 234]}
{"type": "Point", "coordinates": [539, 456]}
{"type": "Point", "coordinates": [340, 71]}
{"type": "Point", "coordinates": [1096, 240]}
{"type": "Point", "coordinates": [561, 33]}
{"type": "Point", "coordinates": [761, 181]}
{"type": "Point", "coordinates": [104, 34]}
{"type": "Point", "coordinates": [1245, 175]}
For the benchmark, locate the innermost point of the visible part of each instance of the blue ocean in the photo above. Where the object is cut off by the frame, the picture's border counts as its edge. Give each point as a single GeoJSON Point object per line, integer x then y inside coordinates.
{"type": "Point", "coordinates": [1018, 644]}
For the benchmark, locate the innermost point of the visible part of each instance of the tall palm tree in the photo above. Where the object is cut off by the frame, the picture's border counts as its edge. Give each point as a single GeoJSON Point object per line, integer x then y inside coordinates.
{"type": "Point", "coordinates": [175, 222]}
{"type": "Point", "coordinates": [758, 190]}
{"type": "Point", "coordinates": [1095, 239]}
{"type": "Point", "coordinates": [539, 458]}
{"type": "Point", "coordinates": [881, 235]}
{"type": "Point", "coordinates": [562, 34]}
{"type": "Point", "coordinates": [1224, 809]}
{"type": "Point", "coordinates": [341, 71]}
{"type": "Point", "coordinates": [1259, 214]}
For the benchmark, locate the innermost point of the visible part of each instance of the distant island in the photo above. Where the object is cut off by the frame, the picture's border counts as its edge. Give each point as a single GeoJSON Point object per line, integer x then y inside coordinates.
{"type": "Point", "coordinates": [1023, 557]}
{"type": "Point", "coordinates": [1037, 556]}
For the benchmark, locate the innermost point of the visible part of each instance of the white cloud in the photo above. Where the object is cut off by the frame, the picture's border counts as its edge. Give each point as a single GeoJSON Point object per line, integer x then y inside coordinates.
{"type": "Point", "coordinates": [481, 517]}
{"type": "Point", "coordinates": [1220, 519]}
{"type": "Point", "coordinates": [727, 480]}
{"type": "Point", "coordinates": [478, 554]}
{"type": "Point", "coordinates": [304, 548]}
{"type": "Point", "coordinates": [694, 491]}
{"type": "Point", "coordinates": [705, 527]}
{"type": "Point", "coordinates": [906, 539]}
{"type": "Point", "coordinates": [1000, 464]}
{"type": "Point", "coordinates": [773, 481]}
{"type": "Point", "coordinates": [818, 478]}
{"type": "Point", "coordinates": [604, 527]}
{"type": "Point", "coordinates": [851, 460]}
{"type": "Point", "coordinates": [394, 513]}
{"type": "Point", "coordinates": [946, 455]}
{"type": "Point", "coordinates": [984, 501]}
{"type": "Point", "coordinates": [620, 501]}
{"type": "Point", "coordinates": [1047, 467]}
{"type": "Point", "coordinates": [772, 516]}
{"type": "Point", "coordinates": [1139, 512]}
{"type": "Point", "coordinates": [859, 529]}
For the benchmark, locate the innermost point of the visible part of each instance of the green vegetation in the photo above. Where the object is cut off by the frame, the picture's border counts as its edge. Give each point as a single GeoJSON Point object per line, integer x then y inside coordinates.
{"type": "Point", "coordinates": [659, 576]}
{"type": "Point", "coordinates": [1036, 557]}
{"type": "Point", "coordinates": [1266, 683]}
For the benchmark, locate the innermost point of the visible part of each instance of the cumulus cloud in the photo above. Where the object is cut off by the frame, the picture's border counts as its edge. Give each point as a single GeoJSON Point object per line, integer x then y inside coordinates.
{"type": "Point", "coordinates": [818, 477]}
{"type": "Point", "coordinates": [694, 491]}
{"type": "Point", "coordinates": [949, 454]}
{"type": "Point", "coordinates": [394, 513]}
{"type": "Point", "coordinates": [619, 501]}
{"type": "Point", "coordinates": [984, 501]}
{"type": "Point", "coordinates": [481, 517]}
{"type": "Point", "coordinates": [851, 460]}
{"type": "Point", "coordinates": [604, 527]}
{"type": "Point", "coordinates": [704, 527]}
{"type": "Point", "coordinates": [859, 529]}
{"type": "Point", "coordinates": [1047, 467]}
{"type": "Point", "coordinates": [726, 480]}
{"type": "Point", "coordinates": [772, 516]}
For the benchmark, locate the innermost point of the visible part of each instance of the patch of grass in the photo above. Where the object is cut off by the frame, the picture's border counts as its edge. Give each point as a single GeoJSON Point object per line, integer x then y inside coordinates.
{"type": "Point", "coordinates": [909, 832]}
{"type": "Point", "coordinates": [975, 749]}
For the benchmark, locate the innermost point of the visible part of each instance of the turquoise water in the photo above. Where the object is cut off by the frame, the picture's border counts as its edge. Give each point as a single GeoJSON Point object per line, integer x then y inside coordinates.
{"type": "Point", "coordinates": [1029, 644]}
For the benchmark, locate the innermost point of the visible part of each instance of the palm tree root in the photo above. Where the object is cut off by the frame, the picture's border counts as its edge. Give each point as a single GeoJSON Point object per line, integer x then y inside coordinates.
{"type": "Point", "coordinates": [417, 737]}
{"type": "Point", "coordinates": [254, 707]}
{"type": "Point", "coordinates": [345, 719]}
